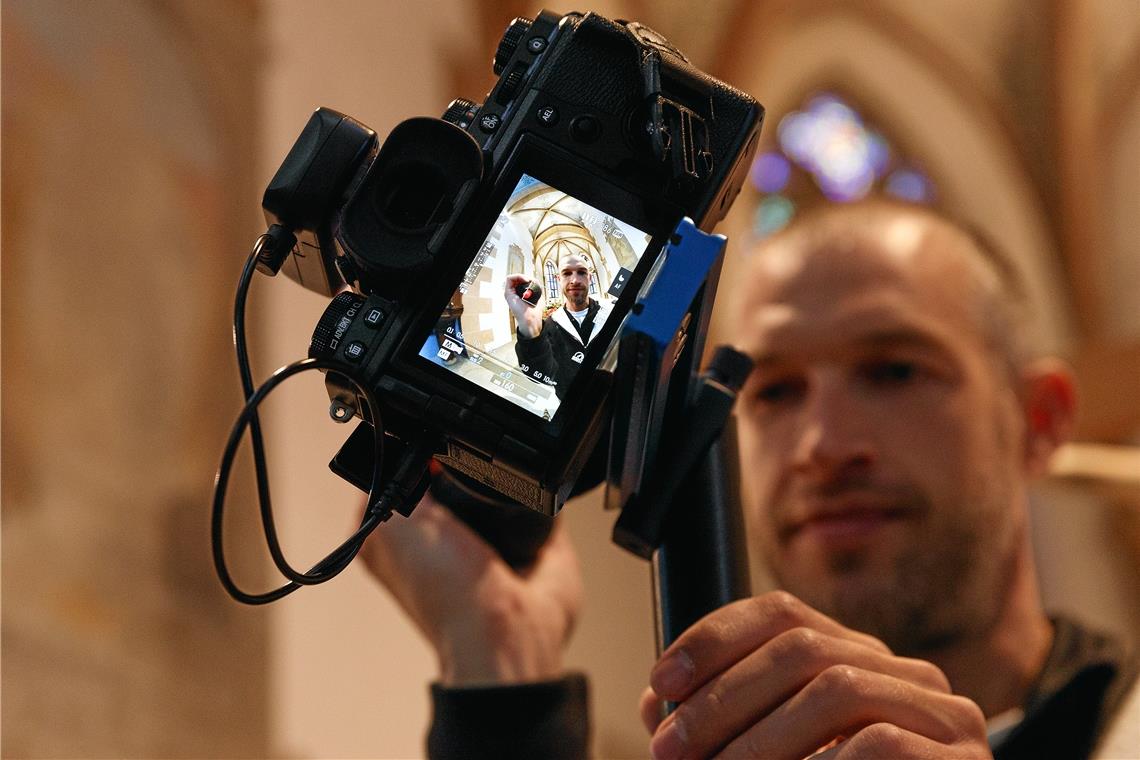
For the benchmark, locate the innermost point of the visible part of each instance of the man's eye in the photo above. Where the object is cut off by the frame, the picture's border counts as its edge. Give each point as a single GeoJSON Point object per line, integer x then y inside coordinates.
{"type": "Point", "coordinates": [890, 372]}
{"type": "Point", "coordinates": [779, 391]}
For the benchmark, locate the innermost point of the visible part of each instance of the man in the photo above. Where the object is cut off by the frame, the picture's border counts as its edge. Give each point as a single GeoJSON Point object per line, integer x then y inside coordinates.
{"type": "Point", "coordinates": [889, 433]}
{"type": "Point", "coordinates": [551, 349]}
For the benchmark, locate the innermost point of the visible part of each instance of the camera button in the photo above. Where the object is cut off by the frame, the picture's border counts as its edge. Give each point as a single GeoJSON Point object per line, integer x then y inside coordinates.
{"type": "Point", "coordinates": [585, 129]}
{"type": "Point", "coordinates": [354, 351]}
{"type": "Point", "coordinates": [548, 115]}
{"type": "Point", "coordinates": [374, 318]}
{"type": "Point", "coordinates": [489, 122]}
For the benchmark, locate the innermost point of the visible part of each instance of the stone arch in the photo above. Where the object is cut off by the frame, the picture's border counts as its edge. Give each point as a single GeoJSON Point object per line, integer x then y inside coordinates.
{"type": "Point", "coordinates": [962, 141]}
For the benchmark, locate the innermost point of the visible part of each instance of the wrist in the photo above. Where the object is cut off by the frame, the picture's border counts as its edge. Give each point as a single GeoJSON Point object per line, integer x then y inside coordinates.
{"type": "Point", "coordinates": [508, 646]}
{"type": "Point", "coordinates": [491, 665]}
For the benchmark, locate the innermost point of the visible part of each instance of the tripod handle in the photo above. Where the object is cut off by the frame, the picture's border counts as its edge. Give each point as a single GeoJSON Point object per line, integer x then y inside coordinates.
{"type": "Point", "coordinates": [702, 563]}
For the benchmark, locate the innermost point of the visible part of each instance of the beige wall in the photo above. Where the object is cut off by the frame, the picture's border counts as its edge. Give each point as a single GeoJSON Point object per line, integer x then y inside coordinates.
{"type": "Point", "coordinates": [127, 138]}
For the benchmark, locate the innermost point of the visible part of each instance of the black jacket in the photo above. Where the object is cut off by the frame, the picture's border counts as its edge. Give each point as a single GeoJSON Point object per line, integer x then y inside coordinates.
{"type": "Point", "coordinates": [556, 354]}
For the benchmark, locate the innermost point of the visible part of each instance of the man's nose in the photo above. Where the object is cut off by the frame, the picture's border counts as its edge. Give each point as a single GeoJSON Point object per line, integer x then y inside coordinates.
{"type": "Point", "coordinates": [835, 433]}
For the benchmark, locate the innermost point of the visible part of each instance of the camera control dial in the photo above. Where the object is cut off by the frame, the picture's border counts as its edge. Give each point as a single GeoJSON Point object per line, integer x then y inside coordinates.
{"type": "Point", "coordinates": [460, 112]}
{"type": "Point", "coordinates": [511, 39]}
{"type": "Point", "coordinates": [332, 328]}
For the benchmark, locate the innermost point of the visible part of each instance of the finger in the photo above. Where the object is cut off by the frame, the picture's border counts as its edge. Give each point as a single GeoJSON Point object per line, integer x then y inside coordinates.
{"type": "Point", "coordinates": [652, 709]}
{"type": "Point", "coordinates": [727, 635]}
{"type": "Point", "coordinates": [885, 740]}
{"type": "Point", "coordinates": [512, 282]}
{"type": "Point", "coordinates": [758, 684]}
{"type": "Point", "coordinates": [843, 700]}
{"type": "Point", "coordinates": [429, 543]}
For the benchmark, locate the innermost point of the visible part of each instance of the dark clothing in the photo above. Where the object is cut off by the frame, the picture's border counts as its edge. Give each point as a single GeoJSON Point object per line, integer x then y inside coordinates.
{"type": "Point", "coordinates": [556, 354]}
{"type": "Point", "coordinates": [547, 720]}
{"type": "Point", "coordinates": [1085, 677]}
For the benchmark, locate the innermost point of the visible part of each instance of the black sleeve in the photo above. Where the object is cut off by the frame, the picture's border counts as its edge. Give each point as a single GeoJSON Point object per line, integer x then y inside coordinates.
{"type": "Point", "coordinates": [545, 719]}
{"type": "Point", "coordinates": [537, 354]}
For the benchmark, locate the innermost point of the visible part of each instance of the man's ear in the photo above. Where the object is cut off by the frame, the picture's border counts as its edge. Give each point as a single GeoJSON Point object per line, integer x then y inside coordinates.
{"type": "Point", "coordinates": [1049, 399]}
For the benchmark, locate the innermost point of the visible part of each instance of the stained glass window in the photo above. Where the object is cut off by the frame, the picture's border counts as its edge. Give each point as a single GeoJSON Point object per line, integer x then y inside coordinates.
{"type": "Point", "coordinates": [828, 152]}
{"type": "Point", "coordinates": [551, 280]}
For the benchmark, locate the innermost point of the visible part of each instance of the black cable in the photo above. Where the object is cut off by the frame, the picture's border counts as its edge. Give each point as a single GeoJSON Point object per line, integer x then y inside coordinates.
{"type": "Point", "coordinates": [380, 506]}
{"type": "Point", "coordinates": [282, 239]}
{"type": "Point", "coordinates": [379, 510]}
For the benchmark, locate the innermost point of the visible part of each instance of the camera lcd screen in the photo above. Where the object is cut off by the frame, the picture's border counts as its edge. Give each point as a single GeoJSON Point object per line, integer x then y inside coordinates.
{"type": "Point", "coordinates": [539, 291]}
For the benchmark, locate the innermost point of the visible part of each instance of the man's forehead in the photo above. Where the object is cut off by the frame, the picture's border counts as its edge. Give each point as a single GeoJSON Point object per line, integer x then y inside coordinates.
{"type": "Point", "coordinates": [901, 267]}
{"type": "Point", "coordinates": [777, 331]}
{"type": "Point", "coordinates": [572, 261]}
{"type": "Point", "coordinates": [855, 252]}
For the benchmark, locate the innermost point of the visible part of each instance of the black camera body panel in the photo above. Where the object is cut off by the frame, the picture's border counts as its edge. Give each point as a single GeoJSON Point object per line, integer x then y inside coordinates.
{"type": "Point", "coordinates": [306, 192]}
{"type": "Point", "coordinates": [594, 74]}
{"type": "Point", "coordinates": [607, 113]}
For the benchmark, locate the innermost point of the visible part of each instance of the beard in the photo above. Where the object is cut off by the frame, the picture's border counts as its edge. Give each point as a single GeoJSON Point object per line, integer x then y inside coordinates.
{"type": "Point", "coordinates": [948, 583]}
{"type": "Point", "coordinates": [577, 299]}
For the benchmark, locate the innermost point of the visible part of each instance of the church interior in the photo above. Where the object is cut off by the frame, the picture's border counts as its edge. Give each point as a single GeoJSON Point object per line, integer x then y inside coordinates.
{"type": "Point", "coordinates": [138, 137]}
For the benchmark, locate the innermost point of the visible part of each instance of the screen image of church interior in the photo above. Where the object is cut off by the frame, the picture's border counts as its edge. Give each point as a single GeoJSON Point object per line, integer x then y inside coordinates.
{"type": "Point", "coordinates": [475, 337]}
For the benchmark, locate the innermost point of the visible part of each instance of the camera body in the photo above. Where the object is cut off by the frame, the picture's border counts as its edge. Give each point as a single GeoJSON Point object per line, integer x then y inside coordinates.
{"type": "Point", "coordinates": [597, 140]}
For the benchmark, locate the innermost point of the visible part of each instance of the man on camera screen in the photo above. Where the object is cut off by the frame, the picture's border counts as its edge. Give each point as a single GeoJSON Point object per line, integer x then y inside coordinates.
{"type": "Point", "coordinates": [554, 346]}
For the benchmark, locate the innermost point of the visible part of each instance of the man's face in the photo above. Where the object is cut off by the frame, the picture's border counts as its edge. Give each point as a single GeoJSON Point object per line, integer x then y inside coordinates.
{"type": "Point", "coordinates": [574, 279]}
{"type": "Point", "coordinates": [881, 438]}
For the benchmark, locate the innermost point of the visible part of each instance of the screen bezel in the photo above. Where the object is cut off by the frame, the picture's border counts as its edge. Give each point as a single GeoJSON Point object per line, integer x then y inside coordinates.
{"type": "Point", "coordinates": [645, 210]}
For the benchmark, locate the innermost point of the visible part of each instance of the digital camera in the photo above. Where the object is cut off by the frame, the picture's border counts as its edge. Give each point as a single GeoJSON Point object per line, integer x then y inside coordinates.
{"type": "Point", "coordinates": [598, 138]}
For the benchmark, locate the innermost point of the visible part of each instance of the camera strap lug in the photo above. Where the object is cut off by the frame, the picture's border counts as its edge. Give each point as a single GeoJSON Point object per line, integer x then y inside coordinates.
{"type": "Point", "coordinates": [677, 133]}
{"type": "Point", "coordinates": [340, 411]}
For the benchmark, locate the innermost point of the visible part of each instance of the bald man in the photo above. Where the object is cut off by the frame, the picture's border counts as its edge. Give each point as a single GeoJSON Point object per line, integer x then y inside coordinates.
{"type": "Point", "coordinates": [894, 422]}
{"type": "Point", "coordinates": [552, 349]}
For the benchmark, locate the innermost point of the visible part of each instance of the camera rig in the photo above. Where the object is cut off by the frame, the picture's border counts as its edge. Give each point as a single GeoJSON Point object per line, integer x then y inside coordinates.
{"type": "Point", "coordinates": [598, 140]}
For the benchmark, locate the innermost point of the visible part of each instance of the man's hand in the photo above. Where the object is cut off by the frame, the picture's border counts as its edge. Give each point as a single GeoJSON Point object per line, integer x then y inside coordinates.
{"type": "Point", "coordinates": [528, 318]}
{"type": "Point", "coordinates": [770, 677]}
{"type": "Point", "coordinates": [487, 623]}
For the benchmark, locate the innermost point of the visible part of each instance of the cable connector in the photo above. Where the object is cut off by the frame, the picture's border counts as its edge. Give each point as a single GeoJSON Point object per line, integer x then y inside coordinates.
{"type": "Point", "coordinates": [277, 244]}
{"type": "Point", "coordinates": [410, 481]}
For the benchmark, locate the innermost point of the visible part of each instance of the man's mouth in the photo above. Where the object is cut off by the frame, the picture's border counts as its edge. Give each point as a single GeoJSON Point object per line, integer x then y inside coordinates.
{"type": "Point", "coordinates": [844, 522]}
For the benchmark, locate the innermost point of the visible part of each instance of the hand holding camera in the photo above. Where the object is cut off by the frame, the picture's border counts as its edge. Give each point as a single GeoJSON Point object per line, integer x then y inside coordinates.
{"type": "Point", "coordinates": [521, 299]}
{"type": "Point", "coordinates": [487, 622]}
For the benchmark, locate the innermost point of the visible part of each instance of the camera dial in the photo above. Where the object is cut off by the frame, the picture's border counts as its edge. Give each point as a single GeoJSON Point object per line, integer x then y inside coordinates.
{"type": "Point", "coordinates": [511, 39]}
{"type": "Point", "coordinates": [460, 112]}
{"type": "Point", "coordinates": [328, 337]}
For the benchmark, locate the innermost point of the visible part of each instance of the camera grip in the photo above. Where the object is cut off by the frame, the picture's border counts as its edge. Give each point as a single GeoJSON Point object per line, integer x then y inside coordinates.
{"type": "Point", "coordinates": [516, 532]}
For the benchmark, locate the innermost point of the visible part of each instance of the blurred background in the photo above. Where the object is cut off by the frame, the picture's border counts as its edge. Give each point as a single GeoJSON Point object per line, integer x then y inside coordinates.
{"type": "Point", "coordinates": [137, 139]}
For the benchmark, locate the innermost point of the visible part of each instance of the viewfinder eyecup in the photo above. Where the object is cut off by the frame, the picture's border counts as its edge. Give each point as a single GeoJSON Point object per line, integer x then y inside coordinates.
{"type": "Point", "coordinates": [418, 181]}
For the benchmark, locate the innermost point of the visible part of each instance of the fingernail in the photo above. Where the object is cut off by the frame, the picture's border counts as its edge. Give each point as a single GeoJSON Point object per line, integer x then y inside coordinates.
{"type": "Point", "coordinates": [669, 742]}
{"type": "Point", "coordinates": [672, 674]}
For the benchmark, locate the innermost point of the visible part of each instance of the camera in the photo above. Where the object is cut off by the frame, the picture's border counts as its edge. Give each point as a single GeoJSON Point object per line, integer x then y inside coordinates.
{"type": "Point", "coordinates": [560, 191]}
{"type": "Point", "coordinates": [530, 292]}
